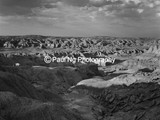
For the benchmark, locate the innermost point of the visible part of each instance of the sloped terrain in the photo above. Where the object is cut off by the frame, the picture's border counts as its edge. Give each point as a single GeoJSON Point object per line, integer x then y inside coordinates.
{"type": "Point", "coordinates": [13, 107]}
{"type": "Point", "coordinates": [37, 92]}
{"type": "Point", "coordinates": [127, 89]}
{"type": "Point", "coordinates": [137, 101]}
{"type": "Point", "coordinates": [17, 85]}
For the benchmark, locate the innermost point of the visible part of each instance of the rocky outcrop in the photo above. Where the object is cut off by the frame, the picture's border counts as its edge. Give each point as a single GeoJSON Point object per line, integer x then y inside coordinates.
{"type": "Point", "coordinates": [137, 101]}
{"type": "Point", "coordinates": [106, 45]}
{"type": "Point", "coordinates": [154, 49]}
{"type": "Point", "coordinates": [30, 89]}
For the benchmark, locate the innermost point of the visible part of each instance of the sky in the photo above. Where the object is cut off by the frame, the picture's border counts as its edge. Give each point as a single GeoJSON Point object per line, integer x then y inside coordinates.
{"type": "Point", "coordinates": [120, 18]}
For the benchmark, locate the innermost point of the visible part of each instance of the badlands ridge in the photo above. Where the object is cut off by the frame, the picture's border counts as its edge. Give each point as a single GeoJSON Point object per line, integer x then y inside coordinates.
{"type": "Point", "coordinates": [127, 89]}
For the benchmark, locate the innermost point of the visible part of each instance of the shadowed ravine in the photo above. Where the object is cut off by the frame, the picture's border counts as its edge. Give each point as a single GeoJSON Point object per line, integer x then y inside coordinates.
{"type": "Point", "coordinates": [31, 89]}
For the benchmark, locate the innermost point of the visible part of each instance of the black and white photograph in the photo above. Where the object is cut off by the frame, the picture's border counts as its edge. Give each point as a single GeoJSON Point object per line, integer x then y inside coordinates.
{"type": "Point", "coordinates": [79, 59]}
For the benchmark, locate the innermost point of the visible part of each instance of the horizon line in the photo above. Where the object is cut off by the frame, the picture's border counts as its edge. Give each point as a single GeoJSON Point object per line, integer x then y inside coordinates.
{"type": "Point", "coordinates": [75, 36]}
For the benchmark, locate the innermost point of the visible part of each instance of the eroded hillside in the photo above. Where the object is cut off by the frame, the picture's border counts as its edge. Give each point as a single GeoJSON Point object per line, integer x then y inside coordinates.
{"type": "Point", "coordinates": [31, 89]}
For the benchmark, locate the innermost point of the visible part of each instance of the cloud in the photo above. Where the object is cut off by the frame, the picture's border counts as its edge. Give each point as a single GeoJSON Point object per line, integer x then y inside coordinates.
{"type": "Point", "coordinates": [158, 14]}
{"type": "Point", "coordinates": [23, 7]}
{"type": "Point", "coordinates": [140, 10]}
{"type": "Point", "coordinates": [100, 3]}
{"type": "Point", "coordinates": [18, 7]}
{"type": "Point", "coordinates": [78, 3]}
{"type": "Point", "coordinates": [3, 20]}
{"type": "Point", "coordinates": [120, 8]}
{"type": "Point", "coordinates": [78, 14]}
